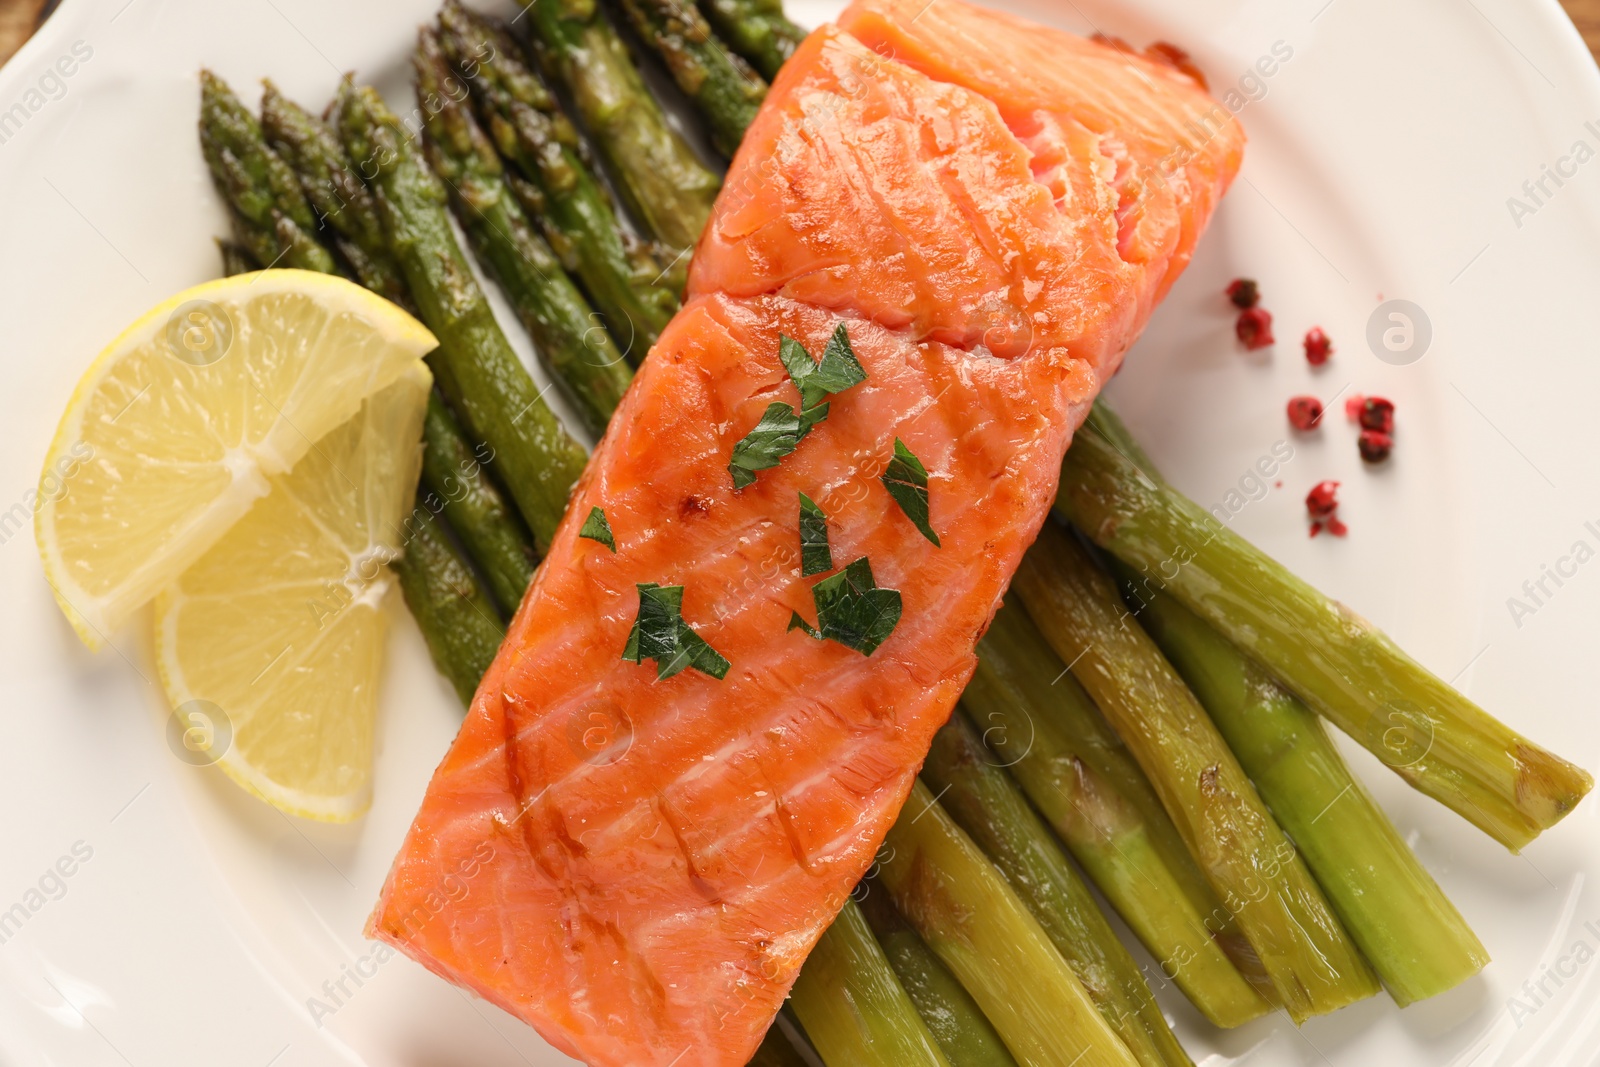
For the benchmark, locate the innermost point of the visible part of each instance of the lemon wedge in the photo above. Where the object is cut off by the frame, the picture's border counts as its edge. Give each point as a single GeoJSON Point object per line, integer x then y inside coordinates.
{"type": "Point", "coordinates": [182, 422]}
{"type": "Point", "coordinates": [274, 637]}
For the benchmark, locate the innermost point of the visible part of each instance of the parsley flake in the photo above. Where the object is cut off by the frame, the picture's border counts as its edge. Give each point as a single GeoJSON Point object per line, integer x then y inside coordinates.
{"type": "Point", "coordinates": [774, 437]}
{"type": "Point", "coordinates": [907, 481]}
{"type": "Point", "coordinates": [802, 370]}
{"type": "Point", "coordinates": [659, 633]}
{"type": "Point", "coordinates": [596, 528]}
{"type": "Point", "coordinates": [838, 371]}
{"type": "Point", "coordinates": [815, 558]}
{"type": "Point", "coordinates": [852, 610]}
{"type": "Point", "coordinates": [809, 417]}
{"type": "Point", "coordinates": [781, 428]}
{"type": "Point", "coordinates": [798, 623]}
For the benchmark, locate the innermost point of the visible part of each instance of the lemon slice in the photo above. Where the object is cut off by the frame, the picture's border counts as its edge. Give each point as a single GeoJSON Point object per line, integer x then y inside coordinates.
{"type": "Point", "coordinates": [273, 639]}
{"type": "Point", "coordinates": [177, 427]}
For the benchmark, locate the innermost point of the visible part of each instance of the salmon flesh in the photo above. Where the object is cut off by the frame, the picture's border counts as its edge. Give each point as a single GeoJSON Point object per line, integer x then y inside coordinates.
{"type": "Point", "coordinates": [636, 861]}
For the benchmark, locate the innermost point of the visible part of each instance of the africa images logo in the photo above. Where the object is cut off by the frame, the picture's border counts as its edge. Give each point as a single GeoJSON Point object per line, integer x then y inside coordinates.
{"type": "Point", "coordinates": [47, 88]}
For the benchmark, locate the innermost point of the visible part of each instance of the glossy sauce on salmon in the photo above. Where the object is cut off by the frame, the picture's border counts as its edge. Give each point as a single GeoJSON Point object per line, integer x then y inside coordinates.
{"type": "Point", "coordinates": [653, 858]}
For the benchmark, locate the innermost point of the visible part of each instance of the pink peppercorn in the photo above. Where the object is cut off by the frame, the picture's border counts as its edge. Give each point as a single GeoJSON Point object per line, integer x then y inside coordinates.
{"type": "Point", "coordinates": [1318, 346]}
{"type": "Point", "coordinates": [1305, 412]}
{"type": "Point", "coordinates": [1243, 292]}
{"type": "Point", "coordinates": [1322, 503]}
{"type": "Point", "coordinates": [1323, 500]}
{"type": "Point", "coordinates": [1377, 414]}
{"type": "Point", "coordinates": [1254, 328]}
{"type": "Point", "coordinates": [1374, 445]}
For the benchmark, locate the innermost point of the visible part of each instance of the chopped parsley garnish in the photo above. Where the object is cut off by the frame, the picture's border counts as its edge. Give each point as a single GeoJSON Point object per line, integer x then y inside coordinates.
{"type": "Point", "coordinates": [815, 558]}
{"type": "Point", "coordinates": [852, 610]}
{"type": "Point", "coordinates": [907, 481]}
{"type": "Point", "coordinates": [798, 623]}
{"type": "Point", "coordinates": [781, 428]}
{"type": "Point", "coordinates": [596, 528]}
{"type": "Point", "coordinates": [838, 371]}
{"type": "Point", "coordinates": [659, 633]}
{"type": "Point", "coordinates": [774, 437]}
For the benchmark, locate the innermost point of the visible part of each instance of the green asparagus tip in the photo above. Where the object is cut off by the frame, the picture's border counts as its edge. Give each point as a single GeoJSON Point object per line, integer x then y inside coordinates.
{"type": "Point", "coordinates": [271, 215]}
{"type": "Point", "coordinates": [473, 39]}
{"type": "Point", "coordinates": [446, 118]}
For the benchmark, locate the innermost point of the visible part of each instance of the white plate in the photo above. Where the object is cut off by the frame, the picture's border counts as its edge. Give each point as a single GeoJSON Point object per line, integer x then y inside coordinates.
{"type": "Point", "coordinates": [205, 928]}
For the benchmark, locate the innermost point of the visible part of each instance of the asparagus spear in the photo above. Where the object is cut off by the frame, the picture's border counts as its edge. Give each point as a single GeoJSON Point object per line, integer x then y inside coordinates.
{"type": "Point", "coordinates": [852, 1006]}
{"type": "Point", "coordinates": [474, 365]}
{"type": "Point", "coordinates": [1057, 746]}
{"type": "Point", "coordinates": [270, 215]}
{"type": "Point", "coordinates": [952, 1016]}
{"type": "Point", "coordinates": [453, 470]}
{"type": "Point", "coordinates": [986, 803]}
{"type": "Point", "coordinates": [1020, 677]}
{"type": "Point", "coordinates": [453, 609]}
{"type": "Point", "coordinates": [1416, 940]}
{"type": "Point", "coordinates": [666, 187]}
{"type": "Point", "coordinates": [578, 353]}
{"type": "Point", "coordinates": [1346, 670]}
{"type": "Point", "coordinates": [1414, 937]}
{"type": "Point", "coordinates": [723, 87]}
{"type": "Point", "coordinates": [335, 191]}
{"type": "Point", "coordinates": [972, 920]}
{"type": "Point", "coordinates": [235, 260]}
{"type": "Point", "coordinates": [1263, 882]}
{"type": "Point", "coordinates": [757, 30]}
{"type": "Point", "coordinates": [452, 467]}
{"type": "Point", "coordinates": [552, 181]}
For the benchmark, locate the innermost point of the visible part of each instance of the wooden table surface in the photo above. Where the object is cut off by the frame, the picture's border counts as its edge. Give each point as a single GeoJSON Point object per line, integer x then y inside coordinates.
{"type": "Point", "coordinates": [1586, 16]}
{"type": "Point", "coordinates": [19, 18]}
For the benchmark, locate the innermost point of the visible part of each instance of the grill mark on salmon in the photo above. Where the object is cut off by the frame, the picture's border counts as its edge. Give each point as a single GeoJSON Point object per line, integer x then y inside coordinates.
{"type": "Point", "coordinates": [993, 237]}
{"type": "Point", "coordinates": [519, 792]}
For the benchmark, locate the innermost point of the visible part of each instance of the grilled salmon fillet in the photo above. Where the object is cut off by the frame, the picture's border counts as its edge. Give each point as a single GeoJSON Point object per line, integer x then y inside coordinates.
{"type": "Point", "coordinates": [637, 866]}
